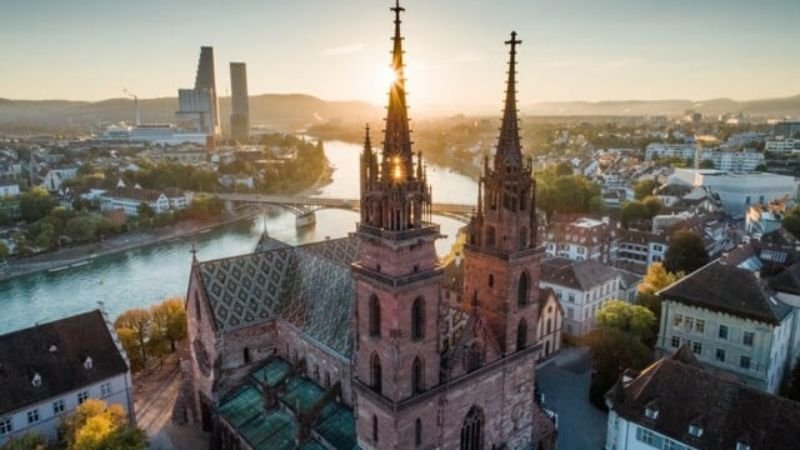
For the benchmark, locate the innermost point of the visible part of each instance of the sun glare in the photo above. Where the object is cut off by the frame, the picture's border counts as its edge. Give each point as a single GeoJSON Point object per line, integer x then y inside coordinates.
{"type": "Point", "coordinates": [386, 77]}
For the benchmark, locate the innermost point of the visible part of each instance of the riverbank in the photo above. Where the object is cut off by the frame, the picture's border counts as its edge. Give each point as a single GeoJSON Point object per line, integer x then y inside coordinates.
{"type": "Point", "coordinates": [84, 254]}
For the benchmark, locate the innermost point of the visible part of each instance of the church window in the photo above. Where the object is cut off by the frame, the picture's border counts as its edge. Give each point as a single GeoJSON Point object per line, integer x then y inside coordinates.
{"type": "Point", "coordinates": [376, 374]}
{"type": "Point", "coordinates": [374, 428]}
{"type": "Point", "coordinates": [418, 432]}
{"type": "Point", "coordinates": [491, 280]}
{"type": "Point", "coordinates": [472, 430]}
{"type": "Point", "coordinates": [316, 372]}
{"type": "Point", "coordinates": [523, 289]}
{"type": "Point", "coordinates": [198, 312]}
{"type": "Point", "coordinates": [417, 377]}
{"type": "Point", "coordinates": [418, 319]}
{"type": "Point", "coordinates": [523, 237]}
{"type": "Point", "coordinates": [374, 316]}
{"type": "Point", "coordinates": [490, 236]}
{"type": "Point", "coordinates": [474, 357]}
{"type": "Point", "coordinates": [522, 334]}
{"type": "Point", "coordinates": [549, 325]}
{"type": "Point", "coordinates": [246, 355]}
{"type": "Point", "coordinates": [327, 380]}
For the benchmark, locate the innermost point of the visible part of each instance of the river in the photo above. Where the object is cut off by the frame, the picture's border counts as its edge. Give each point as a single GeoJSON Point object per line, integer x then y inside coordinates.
{"type": "Point", "coordinates": [142, 277]}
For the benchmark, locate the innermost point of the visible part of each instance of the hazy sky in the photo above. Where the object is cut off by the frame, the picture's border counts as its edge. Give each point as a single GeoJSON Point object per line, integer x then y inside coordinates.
{"type": "Point", "coordinates": [338, 49]}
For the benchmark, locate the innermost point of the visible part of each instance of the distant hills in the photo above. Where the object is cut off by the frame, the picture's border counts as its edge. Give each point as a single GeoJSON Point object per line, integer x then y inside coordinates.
{"type": "Point", "coordinates": [774, 107]}
{"type": "Point", "coordinates": [276, 111]}
{"type": "Point", "coordinates": [296, 111]}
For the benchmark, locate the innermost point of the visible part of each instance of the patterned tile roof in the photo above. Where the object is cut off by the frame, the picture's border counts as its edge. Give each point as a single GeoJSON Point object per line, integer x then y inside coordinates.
{"type": "Point", "coordinates": [310, 286]}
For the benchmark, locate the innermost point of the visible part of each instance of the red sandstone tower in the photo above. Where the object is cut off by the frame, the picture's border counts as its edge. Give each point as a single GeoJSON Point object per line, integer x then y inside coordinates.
{"type": "Point", "coordinates": [397, 283]}
{"type": "Point", "coordinates": [501, 275]}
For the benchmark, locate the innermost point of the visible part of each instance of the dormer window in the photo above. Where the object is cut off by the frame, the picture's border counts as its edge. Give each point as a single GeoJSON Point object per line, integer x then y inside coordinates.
{"type": "Point", "coordinates": [695, 430]}
{"type": "Point", "coordinates": [37, 380]}
{"type": "Point", "coordinates": [88, 363]}
{"type": "Point", "coordinates": [651, 412]}
{"type": "Point", "coordinates": [742, 446]}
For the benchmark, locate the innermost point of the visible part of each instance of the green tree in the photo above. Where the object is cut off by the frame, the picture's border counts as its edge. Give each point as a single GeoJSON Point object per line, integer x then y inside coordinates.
{"type": "Point", "coordinates": [686, 253]}
{"type": "Point", "coordinates": [563, 169]}
{"type": "Point", "coordinates": [634, 211]}
{"type": "Point", "coordinates": [145, 211]}
{"type": "Point", "coordinates": [633, 319]}
{"type": "Point", "coordinates": [612, 352]}
{"type": "Point", "coordinates": [4, 252]}
{"type": "Point", "coordinates": [791, 221]}
{"type": "Point", "coordinates": [644, 188]}
{"type": "Point", "coordinates": [656, 279]}
{"type": "Point", "coordinates": [97, 426]}
{"type": "Point", "coordinates": [761, 168]}
{"type": "Point", "coordinates": [28, 441]}
{"type": "Point", "coordinates": [35, 204]}
{"type": "Point", "coordinates": [654, 205]}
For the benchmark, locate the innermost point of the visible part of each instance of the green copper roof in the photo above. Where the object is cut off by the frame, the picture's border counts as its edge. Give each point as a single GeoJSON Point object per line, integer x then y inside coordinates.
{"type": "Point", "coordinates": [273, 372]}
{"type": "Point", "coordinates": [337, 426]}
{"type": "Point", "coordinates": [301, 393]}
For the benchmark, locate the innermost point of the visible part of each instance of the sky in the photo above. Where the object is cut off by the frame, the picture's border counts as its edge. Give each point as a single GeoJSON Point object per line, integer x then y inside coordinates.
{"type": "Point", "coordinates": [339, 49]}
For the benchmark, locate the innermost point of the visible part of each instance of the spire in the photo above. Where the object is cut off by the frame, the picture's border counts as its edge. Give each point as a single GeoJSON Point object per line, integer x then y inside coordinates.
{"type": "Point", "coordinates": [509, 150]}
{"type": "Point", "coordinates": [397, 140]}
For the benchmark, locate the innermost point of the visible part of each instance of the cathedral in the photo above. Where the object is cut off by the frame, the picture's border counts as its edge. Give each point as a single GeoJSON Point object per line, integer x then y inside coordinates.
{"type": "Point", "coordinates": [352, 343]}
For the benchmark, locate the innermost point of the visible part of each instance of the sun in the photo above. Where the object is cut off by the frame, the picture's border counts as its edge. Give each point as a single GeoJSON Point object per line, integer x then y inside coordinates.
{"type": "Point", "coordinates": [386, 77]}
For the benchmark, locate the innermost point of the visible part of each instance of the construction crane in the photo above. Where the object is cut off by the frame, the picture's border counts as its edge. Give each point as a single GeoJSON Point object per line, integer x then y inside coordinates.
{"type": "Point", "coordinates": [136, 102]}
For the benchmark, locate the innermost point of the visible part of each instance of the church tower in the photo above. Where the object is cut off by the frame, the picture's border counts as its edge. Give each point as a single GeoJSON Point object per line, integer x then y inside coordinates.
{"type": "Point", "coordinates": [502, 255]}
{"type": "Point", "coordinates": [397, 280]}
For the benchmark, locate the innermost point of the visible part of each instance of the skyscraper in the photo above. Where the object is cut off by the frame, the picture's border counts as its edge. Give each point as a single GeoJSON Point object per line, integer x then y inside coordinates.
{"type": "Point", "coordinates": [198, 108]}
{"type": "Point", "coordinates": [240, 103]}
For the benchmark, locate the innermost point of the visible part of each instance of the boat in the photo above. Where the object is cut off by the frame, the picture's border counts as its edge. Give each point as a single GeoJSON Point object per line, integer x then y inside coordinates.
{"type": "Point", "coordinates": [85, 262]}
{"type": "Point", "coordinates": [58, 269]}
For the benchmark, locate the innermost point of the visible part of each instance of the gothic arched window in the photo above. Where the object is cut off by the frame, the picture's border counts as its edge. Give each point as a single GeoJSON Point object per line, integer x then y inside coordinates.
{"type": "Point", "coordinates": [523, 289]}
{"type": "Point", "coordinates": [376, 374]}
{"type": "Point", "coordinates": [374, 428]}
{"type": "Point", "coordinates": [417, 376]}
{"type": "Point", "coordinates": [418, 432]}
{"type": "Point", "coordinates": [374, 316]}
{"type": "Point", "coordinates": [247, 355]}
{"type": "Point", "coordinates": [418, 319]}
{"type": "Point", "coordinates": [522, 334]}
{"type": "Point", "coordinates": [472, 430]}
{"type": "Point", "coordinates": [198, 311]}
{"type": "Point", "coordinates": [523, 238]}
{"type": "Point", "coordinates": [549, 325]}
{"type": "Point", "coordinates": [490, 236]}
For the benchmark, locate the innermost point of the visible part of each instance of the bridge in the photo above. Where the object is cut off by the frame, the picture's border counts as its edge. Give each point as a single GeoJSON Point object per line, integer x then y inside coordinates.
{"type": "Point", "coordinates": [305, 207]}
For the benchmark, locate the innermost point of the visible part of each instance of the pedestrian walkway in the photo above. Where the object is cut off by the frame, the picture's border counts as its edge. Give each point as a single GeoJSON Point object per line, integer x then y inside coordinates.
{"type": "Point", "coordinates": [564, 381]}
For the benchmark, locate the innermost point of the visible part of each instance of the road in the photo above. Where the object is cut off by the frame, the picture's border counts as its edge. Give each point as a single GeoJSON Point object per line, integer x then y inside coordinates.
{"type": "Point", "coordinates": [565, 381]}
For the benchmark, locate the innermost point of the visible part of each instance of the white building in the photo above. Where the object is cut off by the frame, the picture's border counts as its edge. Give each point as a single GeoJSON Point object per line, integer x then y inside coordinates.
{"type": "Point", "coordinates": [54, 179]}
{"type": "Point", "coordinates": [762, 219]}
{"type": "Point", "coordinates": [675, 404]}
{"type": "Point", "coordinates": [49, 369]}
{"type": "Point", "coordinates": [723, 160]}
{"type": "Point", "coordinates": [549, 323]}
{"type": "Point", "coordinates": [582, 289]}
{"type": "Point", "coordinates": [9, 190]}
{"type": "Point", "coordinates": [737, 191]}
{"type": "Point", "coordinates": [584, 238]}
{"type": "Point", "coordinates": [782, 145]}
{"type": "Point", "coordinates": [129, 199]}
{"type": "Point", "coordinates": [732, 324]}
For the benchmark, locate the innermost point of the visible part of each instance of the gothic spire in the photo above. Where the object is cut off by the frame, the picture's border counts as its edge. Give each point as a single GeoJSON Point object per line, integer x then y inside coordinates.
{"type": "Point", "coordinates": [397, 140]}
{"type": "Point", "coordinates": [509, 150]}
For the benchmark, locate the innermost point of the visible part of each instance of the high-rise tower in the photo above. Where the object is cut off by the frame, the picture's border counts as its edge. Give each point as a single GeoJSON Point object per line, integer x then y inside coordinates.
{"type": "Point", "coordinates": [240, 103]}
{"type": "Point", "coordinates": [199, 107]}
{"type": "Point", "coordinates": [502, 257]}
{"type": "Point", "coordinates": [397, 280]}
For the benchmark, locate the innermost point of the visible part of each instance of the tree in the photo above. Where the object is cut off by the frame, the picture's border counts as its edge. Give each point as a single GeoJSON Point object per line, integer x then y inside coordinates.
{"type": "Point", "coordinates": [563, 169]}
{"type": "Point", "coordinates": [97, 426]}
{"type": "Point", "coordinates": [707, 164]}
{"type": "Point", "coordinates": [633, 319]}
{"type": "Point", "coordinates": [633, 212]}
{"type": "Point", "coordinates": [4, 252]}
{"type": "Point", "coordinates": [169, 320]}
{"type": "Point", "coordinates": [612, 352]}
{"type": "Point", "coordinates": [687, 252]}
{"type": "Point", "coordinates": [654, 205]}
{"type": "Point", "coordinates": [644, 188]}
{"type": "Point", "coordinates": [28, 441]}
{"type": "Point", "coordinates": [791, 221]}
{"type": "Point", "coordinates": [656, 279]}
{"type": "Point", "coordinates": [146, 211]}
{"type": "Point", "coordinates": [140, 322]}
{"type": "Point", "coordinates": [761, 168]}
{"type": "Point", "coordinates": [35, 204]}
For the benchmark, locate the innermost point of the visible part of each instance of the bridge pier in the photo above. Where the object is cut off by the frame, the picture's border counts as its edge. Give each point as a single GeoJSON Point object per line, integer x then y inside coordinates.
{"type": "Point", "coordinates": [229, 206]}
{"type": "Point", "coordinates": [305, 220]}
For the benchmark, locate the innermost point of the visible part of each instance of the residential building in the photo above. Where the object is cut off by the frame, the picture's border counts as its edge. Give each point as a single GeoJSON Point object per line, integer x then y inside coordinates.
{"type": "Point", "coordinates": [677, 404]}
{"type": "Point", "coordinates": [641, 248]}
{"type": "Point", "coordinates": [782, 145]}
{"type": "Point", "coordinates": [9, 189]}
{"type": "Point", "coordinates": [49, 369]}
{"type": "Point", "coordinates": [53, 180]}
{"type": "Point", "coordinates": [786, 130]}
{"type": "Point", "coordinates": [583, 238]}
{"type": "Point", "coordinates": [737, 161]}
{"type": "Point", "coordinates": [582, 288]}
{"type": "Point", "coordinates": [129, 200]}
{"type": "Point", "coordinates": [732, 323]}
{"type": "Point", "coordinates": [761, 219]}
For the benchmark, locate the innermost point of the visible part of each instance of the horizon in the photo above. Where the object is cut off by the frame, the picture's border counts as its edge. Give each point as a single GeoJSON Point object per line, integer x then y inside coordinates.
{"type": "Point", "coordinates": [454, 50]}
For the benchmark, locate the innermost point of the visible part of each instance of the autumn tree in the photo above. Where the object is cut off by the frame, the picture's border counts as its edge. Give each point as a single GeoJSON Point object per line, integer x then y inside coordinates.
{"type": "Point", "coordinates": [656, 279]}
{"type": "Point", "coordinates": [135, 322]}
{"type": "Point", "coordinates": [97, 426]}
{"type": "Point", "coordinates": [654, 205]}
{"type": "Point", "coordinates": [169, 321]}
{"type": "Point", "coordinates": [687, 252]}
{"type": "Point", "coordinates": [36, 203]}
{"type": "Point", "coordinates": [28, 441]}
